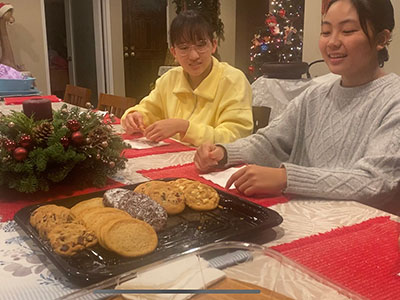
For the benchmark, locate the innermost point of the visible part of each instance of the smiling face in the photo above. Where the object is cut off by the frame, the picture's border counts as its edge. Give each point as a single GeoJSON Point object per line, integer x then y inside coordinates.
{"type": "Point", "coordinates": [346, 48]}
{"type": "Point", "coordinates": [195, 58]}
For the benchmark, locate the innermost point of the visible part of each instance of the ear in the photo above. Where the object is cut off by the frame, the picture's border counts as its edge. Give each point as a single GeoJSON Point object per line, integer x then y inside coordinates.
{"type": "Point", "coordinates": [383, 39]}
{"type": "Point", "coordinates": [214, 45]}
{"type": "Point", "coordinates": [173, 52]}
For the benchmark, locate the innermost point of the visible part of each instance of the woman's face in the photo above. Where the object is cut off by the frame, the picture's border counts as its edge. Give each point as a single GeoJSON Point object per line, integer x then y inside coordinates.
{"type": "Point", "coordinates": [195, 58]}
{"type": "Point", "coordinates": [346, 48]}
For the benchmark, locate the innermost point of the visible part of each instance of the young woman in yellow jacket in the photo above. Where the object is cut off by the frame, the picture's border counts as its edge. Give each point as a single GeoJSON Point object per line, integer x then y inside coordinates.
{"type": "Point", "coordinates": [203, 100]}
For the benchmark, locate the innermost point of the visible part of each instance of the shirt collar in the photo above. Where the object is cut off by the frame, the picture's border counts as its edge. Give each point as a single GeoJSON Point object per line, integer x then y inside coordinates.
{"type": "Point", "coordinates": [207, 88]}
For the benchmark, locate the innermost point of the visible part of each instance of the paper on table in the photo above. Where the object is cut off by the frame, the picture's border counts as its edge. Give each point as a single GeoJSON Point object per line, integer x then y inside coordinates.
{"type": "Point", "coordinates": [221, 177]}
{"type": "Point", "coordinates": [143, 143]}
{"type": "Point", "coordinates": [190, 272]}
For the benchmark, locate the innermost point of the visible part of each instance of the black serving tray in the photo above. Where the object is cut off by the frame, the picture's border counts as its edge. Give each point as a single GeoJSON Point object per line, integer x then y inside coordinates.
{"type": "Point", "coordinates": [234, 219]}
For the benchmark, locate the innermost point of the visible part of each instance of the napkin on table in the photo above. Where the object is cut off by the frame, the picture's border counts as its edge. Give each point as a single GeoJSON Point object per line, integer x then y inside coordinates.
{"type": "Point", "coordinates": [191, 272]}
{"type": "Point", "coordinates": [144, 143]}
{"type": "Point", "coordinates": [221, 177]}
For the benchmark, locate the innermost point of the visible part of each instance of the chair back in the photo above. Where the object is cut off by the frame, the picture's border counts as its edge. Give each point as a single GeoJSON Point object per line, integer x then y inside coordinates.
{"type": "Point", "coordinates": [77, 95]}
{"type": "Point", "coordinates": [115, 104]}
{"type": "Point", "coordinates": [260, 117]}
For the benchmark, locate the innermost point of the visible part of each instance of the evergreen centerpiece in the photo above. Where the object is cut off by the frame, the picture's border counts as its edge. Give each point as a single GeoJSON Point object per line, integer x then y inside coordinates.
{"type": "Point", "coordinates": [34, 154]}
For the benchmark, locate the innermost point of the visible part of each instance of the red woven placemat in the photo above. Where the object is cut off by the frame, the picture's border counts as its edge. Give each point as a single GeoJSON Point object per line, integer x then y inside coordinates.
{"type": "Point", "coordinates": [363, 257]}
{"type": "Point", "coordinates": [189, 171]}
{"type": "Point", "coordinates": [19, 100]}
{"type": "Point", "coordinates": [12, 201]}
{"type": "Point", "coordinates": [172, 146]}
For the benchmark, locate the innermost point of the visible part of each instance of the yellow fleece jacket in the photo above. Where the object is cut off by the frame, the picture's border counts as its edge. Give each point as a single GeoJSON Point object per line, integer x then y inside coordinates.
{"type": "Point", "coordinates": [218, 110]}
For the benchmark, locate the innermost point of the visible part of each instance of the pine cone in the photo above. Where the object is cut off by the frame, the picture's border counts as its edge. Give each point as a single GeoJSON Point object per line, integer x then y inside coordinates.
{"type": "Point", "coordinates": [42, 132]}
{"type": "Point", "coordinates": [96, 137]}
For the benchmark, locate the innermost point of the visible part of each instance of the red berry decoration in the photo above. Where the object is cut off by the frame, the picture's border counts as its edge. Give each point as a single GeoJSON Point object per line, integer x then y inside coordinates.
{"type": "Point", "coordinates": [10, 145]}
{"type": "Point", "coordinates": [73, 125]}
{"type": "Point", "coordinates": [25, 141]}
{"type": "Point", "coordinates": [20, 153]}
{"type": "Point", "coordinates": [64, 141]}
{"type": "Point", "coordinates": [77, 138]}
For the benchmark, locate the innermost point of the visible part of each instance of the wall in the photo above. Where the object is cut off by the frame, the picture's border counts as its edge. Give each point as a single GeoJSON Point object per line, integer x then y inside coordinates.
{"type": "Point", "coordinates": [312, 31]}
{"type": "Point", "coordinates": [117, 47]}
{"type": "Point", "coordinates": [28, 40]}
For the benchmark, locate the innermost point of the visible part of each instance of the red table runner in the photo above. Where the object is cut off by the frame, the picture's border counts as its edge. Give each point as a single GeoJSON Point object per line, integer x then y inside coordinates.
{"type": "Point", "coordinates": [364, 257]}
{"type": "Point", "coordinates": [189, 171]}
{"type": "Point", "coordinates": [172, 146]}
{"type": "Point", "coordinates": [11, 201]}
{"type": "Point", "coordinates": [19, 100]}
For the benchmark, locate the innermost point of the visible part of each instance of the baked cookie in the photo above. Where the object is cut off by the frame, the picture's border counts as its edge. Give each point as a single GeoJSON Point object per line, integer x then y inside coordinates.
{"type": "Point", "coordinates": [182, 183]}
{"type": "Point", "coordinates": [94, 214]}
{"type": "Point", "coordinates": [70, 238]}
{"type": "Point", "coordinates": [82, 206]}
{"type": "Point", "coordinates": [146, 187]}
{"type": "Point", "coordinates": [200, 196]}
{"type": "Point", "coordinates": [39, 212]}
{"type": "Point", "coordinates": [138, 205]}
{"type": "Point", "coordinates": [169, 197]}
{"type": "Point", "coordinates": [130, 237]}
{"type": "Point", "coordinates": [51, 217]}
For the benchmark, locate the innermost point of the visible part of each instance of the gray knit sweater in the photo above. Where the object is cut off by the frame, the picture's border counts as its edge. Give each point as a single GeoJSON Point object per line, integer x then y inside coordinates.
{"type": "Point", "coordinates": [335, 142]}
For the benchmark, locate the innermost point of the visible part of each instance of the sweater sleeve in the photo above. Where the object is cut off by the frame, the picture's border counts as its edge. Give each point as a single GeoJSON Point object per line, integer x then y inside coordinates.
{"type": "Point", "coordinates": [233, 120]}
{"type": "Point", "coordinates": [150, 106]}
{"type": "Point", "coordinates": [271, 145]}
{"type": "Point", "coordinates": [375, 174]}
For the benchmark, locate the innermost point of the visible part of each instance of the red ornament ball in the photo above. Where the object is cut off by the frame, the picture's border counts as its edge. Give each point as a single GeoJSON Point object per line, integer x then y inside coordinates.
{"type": "Point", "coordinates": [64, 141]}
{"type": "Point", "coordinates": [73, 125]}
{"type": "Point", "coordinates": [10, 145]}
{"type": "Point", "coordinates": [77, 138]}
{"type": "Point", "coordinates": [251, 69]}
{"type": "Point", "coordinates": [282, 13]}
{"type": "Point", "coordinates": [20, 153]}
{"type": "Point", "coordinates": [25, 141]}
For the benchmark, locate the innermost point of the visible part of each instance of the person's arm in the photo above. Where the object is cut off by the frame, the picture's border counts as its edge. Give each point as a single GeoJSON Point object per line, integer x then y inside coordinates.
{"type": "Point", "coordinates": [377, 173]}
{"type": "Point", "coordinates": [233, 119]}
{"type": "Point", "coordinates": [150, 107]}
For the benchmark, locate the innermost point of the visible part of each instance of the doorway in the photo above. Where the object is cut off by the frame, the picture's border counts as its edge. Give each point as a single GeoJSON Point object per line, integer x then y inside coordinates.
{"type": "Point", "coordinates": [144, 43]}
{"type": "Point", "coordinates": [71, 45]}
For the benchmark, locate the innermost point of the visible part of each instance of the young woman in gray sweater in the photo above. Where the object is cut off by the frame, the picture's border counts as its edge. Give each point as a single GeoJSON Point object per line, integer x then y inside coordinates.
{"type": "Point", "coordinates": [338, 140]}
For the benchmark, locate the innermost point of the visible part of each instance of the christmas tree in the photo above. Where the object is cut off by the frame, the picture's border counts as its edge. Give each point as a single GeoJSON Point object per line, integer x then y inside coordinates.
{"type": "Point", "coordinates": [280, 40]}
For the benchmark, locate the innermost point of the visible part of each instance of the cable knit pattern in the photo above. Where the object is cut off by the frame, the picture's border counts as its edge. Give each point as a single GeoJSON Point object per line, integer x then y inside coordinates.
{"type": "Point", "coordinates": [335, 142]}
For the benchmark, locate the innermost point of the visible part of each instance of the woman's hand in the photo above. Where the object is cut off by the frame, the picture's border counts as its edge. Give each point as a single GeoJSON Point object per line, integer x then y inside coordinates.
{"type": "Point", "coordinates": [252, 180]}
{"type": "Point", "coordinates": [207, 157]}
{"type": "Point", "coordinates": [164, 129]}
{"type": "Point", "coordinates": [133, 123]}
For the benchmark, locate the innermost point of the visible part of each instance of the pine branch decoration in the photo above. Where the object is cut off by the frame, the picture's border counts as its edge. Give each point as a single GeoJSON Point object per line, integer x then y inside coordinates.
{"type": "Point", "coordinates": [36, 154]}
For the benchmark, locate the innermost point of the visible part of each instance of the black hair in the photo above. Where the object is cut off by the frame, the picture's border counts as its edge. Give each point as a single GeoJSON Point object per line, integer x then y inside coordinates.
{"type": "Point", "coordinates": [190, 26]}
{"type": "Point", "coordinates": [379, 15]}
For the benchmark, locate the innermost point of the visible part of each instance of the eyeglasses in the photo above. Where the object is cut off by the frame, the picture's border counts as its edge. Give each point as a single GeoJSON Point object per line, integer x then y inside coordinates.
{"type": "Point", "coordinates": [200, 47]}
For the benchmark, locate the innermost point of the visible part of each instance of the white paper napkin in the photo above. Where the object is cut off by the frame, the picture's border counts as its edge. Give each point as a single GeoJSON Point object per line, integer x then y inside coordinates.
{"type": "Point", "coordinates": [143, 143]}
{"type": "Point", "coordinates": [221, 177]}
{"type": "Point", "coordinates": [189, 272]}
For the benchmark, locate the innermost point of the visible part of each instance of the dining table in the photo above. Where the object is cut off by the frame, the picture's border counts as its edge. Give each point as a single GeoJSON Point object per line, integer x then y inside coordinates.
{"type": "Point", "coordinates": [336, 249]}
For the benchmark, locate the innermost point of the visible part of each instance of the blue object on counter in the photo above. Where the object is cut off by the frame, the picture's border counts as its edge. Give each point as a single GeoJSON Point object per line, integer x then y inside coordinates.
{"type": "Point", "coordinates": [16, 85]}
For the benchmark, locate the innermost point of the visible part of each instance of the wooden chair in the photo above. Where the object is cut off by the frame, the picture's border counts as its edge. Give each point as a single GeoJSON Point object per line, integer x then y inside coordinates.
{"type": "Point", "coordinates": [77, 95]}
{"type": "Point", "coordinates": [260, 117]}
{"type": "Point", "coordinates": [115, 104]}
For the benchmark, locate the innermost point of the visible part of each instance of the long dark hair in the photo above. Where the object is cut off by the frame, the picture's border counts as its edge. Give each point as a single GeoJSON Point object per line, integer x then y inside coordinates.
{"type": "Point", "coordinates": [379, 15]}
{"type": "Point", "coordinates": [190, 26]}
